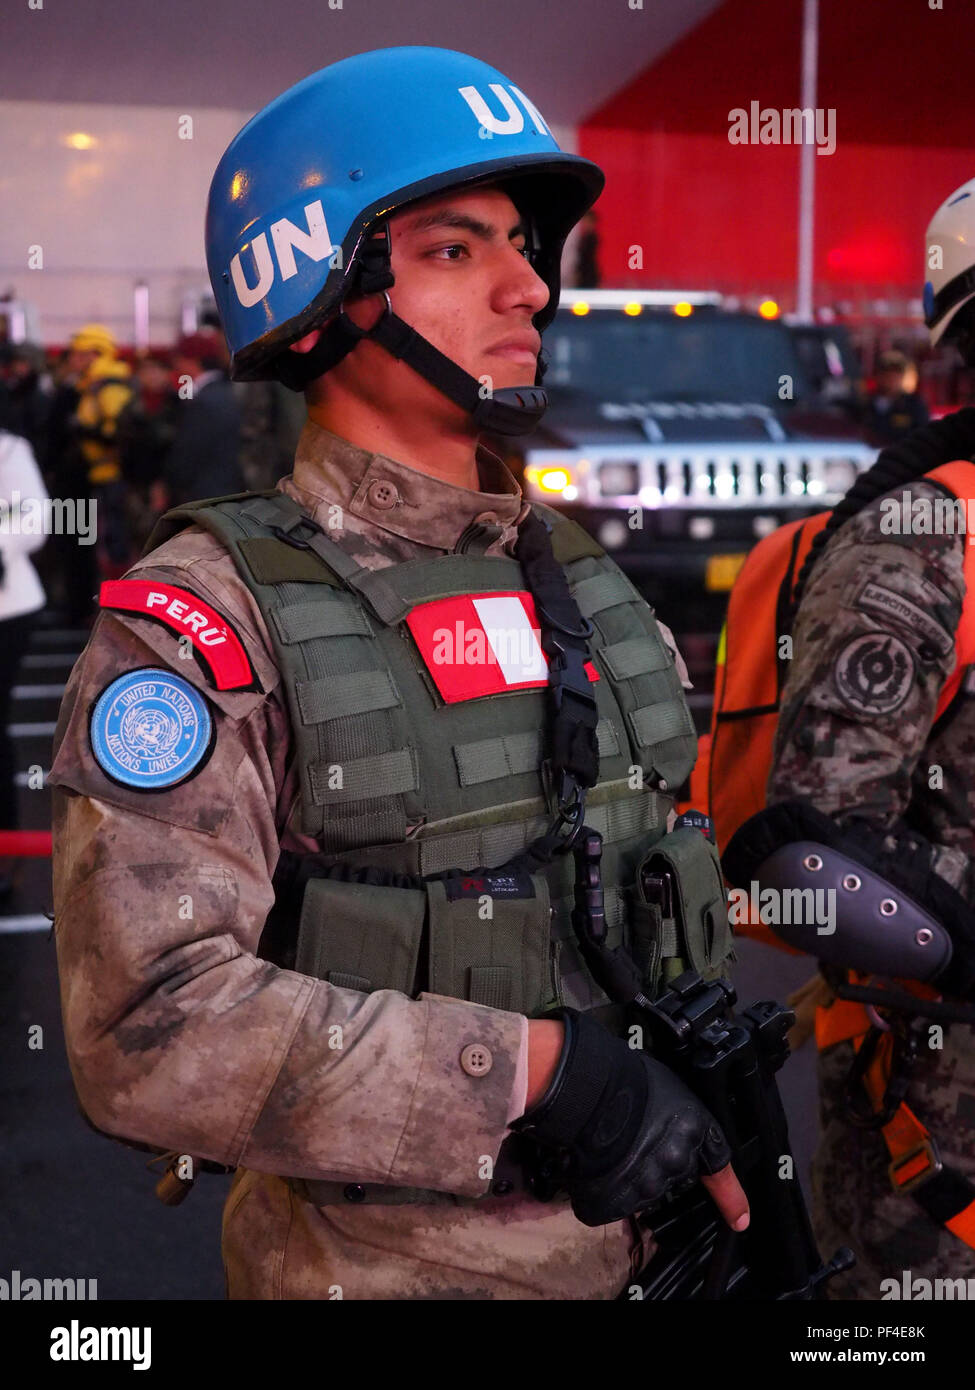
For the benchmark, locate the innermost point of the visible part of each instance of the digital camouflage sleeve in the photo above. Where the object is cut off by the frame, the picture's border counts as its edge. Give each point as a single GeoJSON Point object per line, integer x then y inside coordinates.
{"type": "Point", "coordinates": [873, 645]}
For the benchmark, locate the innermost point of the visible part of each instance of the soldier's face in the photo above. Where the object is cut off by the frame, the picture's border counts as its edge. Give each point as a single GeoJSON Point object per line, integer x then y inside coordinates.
{"type": "Point", "coordinates": [463, 282]}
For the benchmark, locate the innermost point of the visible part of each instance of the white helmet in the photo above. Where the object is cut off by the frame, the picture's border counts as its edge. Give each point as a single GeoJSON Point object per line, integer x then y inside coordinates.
{"type": "Point", "coordinates": [950, 260]}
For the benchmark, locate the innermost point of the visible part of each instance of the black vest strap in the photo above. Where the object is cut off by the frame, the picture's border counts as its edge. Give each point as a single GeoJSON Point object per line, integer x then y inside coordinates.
{"type": "Point", "coordinates": [565, 634]}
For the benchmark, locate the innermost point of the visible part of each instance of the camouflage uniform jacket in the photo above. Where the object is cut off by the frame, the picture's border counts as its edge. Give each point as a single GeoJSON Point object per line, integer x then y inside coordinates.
{"type": "Point", "coordinates": [873, 647]}
{"type": "Point", "coordinates": [179, 1035]}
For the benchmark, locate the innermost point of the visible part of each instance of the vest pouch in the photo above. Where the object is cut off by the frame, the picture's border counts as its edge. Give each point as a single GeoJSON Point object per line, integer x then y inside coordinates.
{"type": "Point", "coordinates": [359, 936]}
{"type": "Point", "coordinates": [490, 940]}
{"type": "Point", "coordinates": [680, 920]}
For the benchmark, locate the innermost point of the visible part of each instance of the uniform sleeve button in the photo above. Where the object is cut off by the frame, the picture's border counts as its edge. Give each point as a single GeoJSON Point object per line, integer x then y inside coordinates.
{"type": "Point", "coordinates": [381, 494]}
{"type": "Point", "coordinates": [476, 1059]}
{"type": "Point", "coordinates": [354, 1192]}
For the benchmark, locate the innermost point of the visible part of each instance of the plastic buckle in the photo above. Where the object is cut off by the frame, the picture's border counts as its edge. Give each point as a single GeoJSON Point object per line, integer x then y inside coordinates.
{"type": "Point", "coordinates": [567, 676]}
{"type": "Point", "coordinates": [930, 1149]}
{"type": "Point", "coordinates": [583, 633]}
{"type": "Point", "coordinates": [286, 533]}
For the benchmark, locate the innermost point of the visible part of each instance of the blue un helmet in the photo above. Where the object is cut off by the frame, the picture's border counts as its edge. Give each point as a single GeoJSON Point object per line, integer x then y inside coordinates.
{"type": "Point", "coordinates": [296, 217]}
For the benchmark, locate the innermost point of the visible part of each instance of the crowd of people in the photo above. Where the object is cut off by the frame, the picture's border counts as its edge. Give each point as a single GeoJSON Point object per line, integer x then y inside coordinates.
{"type": "Point", "coordinates": [135, 436]}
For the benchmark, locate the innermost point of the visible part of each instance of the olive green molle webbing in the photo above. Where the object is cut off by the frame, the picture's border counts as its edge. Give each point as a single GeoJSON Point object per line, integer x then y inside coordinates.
{"type": "Point", "coordinates": [358, 765]}
{"type": "Point", "coordinates": [392, 777]}
{"type": "Point", "coordinates": [326, 615]}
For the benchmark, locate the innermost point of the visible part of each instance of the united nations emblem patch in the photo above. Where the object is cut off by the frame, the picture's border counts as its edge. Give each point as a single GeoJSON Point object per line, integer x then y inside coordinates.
{"type": "Point", "coordinates": [150, 729]}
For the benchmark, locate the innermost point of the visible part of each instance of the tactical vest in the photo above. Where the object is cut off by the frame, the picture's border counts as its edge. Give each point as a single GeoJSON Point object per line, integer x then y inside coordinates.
{"type": "Point", "coordinates": [395, 779]}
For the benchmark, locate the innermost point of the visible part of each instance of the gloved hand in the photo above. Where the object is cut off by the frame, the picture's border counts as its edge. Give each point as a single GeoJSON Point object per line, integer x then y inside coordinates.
{"type": "Point", "coordinates": [631, 1131]}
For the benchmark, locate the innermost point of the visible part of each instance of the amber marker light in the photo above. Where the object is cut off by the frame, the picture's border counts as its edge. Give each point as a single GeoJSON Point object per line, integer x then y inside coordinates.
{"type": "Point", "coordinates": [554, 480]}
{"type": "Point", "coordinates": [580, 308]}
{"type": "Point", "coordinates": [768, 309]}
{"type": "Point", "coordinates": [632, 309]}
{"type": "Point", "coordinates": [683, 310]}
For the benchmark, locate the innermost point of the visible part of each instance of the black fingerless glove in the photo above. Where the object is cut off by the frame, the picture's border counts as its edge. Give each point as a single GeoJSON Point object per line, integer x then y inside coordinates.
{"type": "Point", "coordinates": [630, 1130]}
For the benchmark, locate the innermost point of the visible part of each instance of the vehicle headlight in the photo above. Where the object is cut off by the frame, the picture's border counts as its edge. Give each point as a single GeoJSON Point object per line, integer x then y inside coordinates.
{"type": "Point", "coordinates": [619, 479]}
{"type": "Point", "coordinates": [549, 477]}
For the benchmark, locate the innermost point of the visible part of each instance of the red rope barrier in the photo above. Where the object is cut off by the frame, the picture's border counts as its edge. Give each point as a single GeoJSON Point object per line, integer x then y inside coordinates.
{"type": "Point", "coordinates": [26, 844]}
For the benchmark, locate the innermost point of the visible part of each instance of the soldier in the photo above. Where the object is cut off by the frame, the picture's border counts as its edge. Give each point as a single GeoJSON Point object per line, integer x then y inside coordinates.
{"type": "Point", "coordinates": [873, 761]}
{"type": "Point", "coordinates": [297, 715]}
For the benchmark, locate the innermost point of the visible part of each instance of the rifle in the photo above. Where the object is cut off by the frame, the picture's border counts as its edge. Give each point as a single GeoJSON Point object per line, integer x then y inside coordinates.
{"type": "Point", "coordinates": [729, 1061]}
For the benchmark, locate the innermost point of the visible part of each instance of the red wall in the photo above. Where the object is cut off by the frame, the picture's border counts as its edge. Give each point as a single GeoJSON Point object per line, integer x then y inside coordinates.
{"type": "Point", "coordinates": [711, 214]}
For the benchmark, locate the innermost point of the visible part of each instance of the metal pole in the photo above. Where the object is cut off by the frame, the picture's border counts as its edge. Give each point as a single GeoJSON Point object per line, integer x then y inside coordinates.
{"type": "Point", "coordinates": [140, 313]}
{"type": "Point", "coordinates": [807, 164]}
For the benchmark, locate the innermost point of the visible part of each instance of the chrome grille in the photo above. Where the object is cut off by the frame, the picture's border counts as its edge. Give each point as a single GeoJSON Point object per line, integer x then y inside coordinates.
{"type": "Point", "coordinates": [776, 475]}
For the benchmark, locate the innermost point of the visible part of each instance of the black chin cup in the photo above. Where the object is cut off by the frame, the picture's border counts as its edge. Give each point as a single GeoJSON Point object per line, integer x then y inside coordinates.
{"type": "Point", "coordinates": [512, 410]}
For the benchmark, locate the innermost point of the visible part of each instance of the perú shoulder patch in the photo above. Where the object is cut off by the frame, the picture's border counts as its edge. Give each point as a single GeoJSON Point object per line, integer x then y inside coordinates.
{"type": "Point", "coordinates": [214, 640]}
{"type": "Point", "coordinates": [475, 645]}
{"type": "Point", "coordinates": [150, 729]}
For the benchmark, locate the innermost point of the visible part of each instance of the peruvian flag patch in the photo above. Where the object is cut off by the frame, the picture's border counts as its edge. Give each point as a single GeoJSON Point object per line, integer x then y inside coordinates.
{"type": "Point", "coordinates": [475, 645]}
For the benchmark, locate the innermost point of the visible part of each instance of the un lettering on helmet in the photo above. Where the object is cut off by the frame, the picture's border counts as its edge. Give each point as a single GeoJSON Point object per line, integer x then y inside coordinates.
{"type": "Point", "coordinates": [303, 185]}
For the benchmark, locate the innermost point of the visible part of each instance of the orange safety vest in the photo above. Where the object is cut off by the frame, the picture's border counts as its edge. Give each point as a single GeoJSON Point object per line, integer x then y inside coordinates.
{"type": "Point", "coordinates": [730, 779]}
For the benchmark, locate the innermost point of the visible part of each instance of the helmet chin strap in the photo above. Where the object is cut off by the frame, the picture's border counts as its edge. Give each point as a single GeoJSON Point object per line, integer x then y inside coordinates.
{"type": "Point", "coordinates": [511, 410]}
